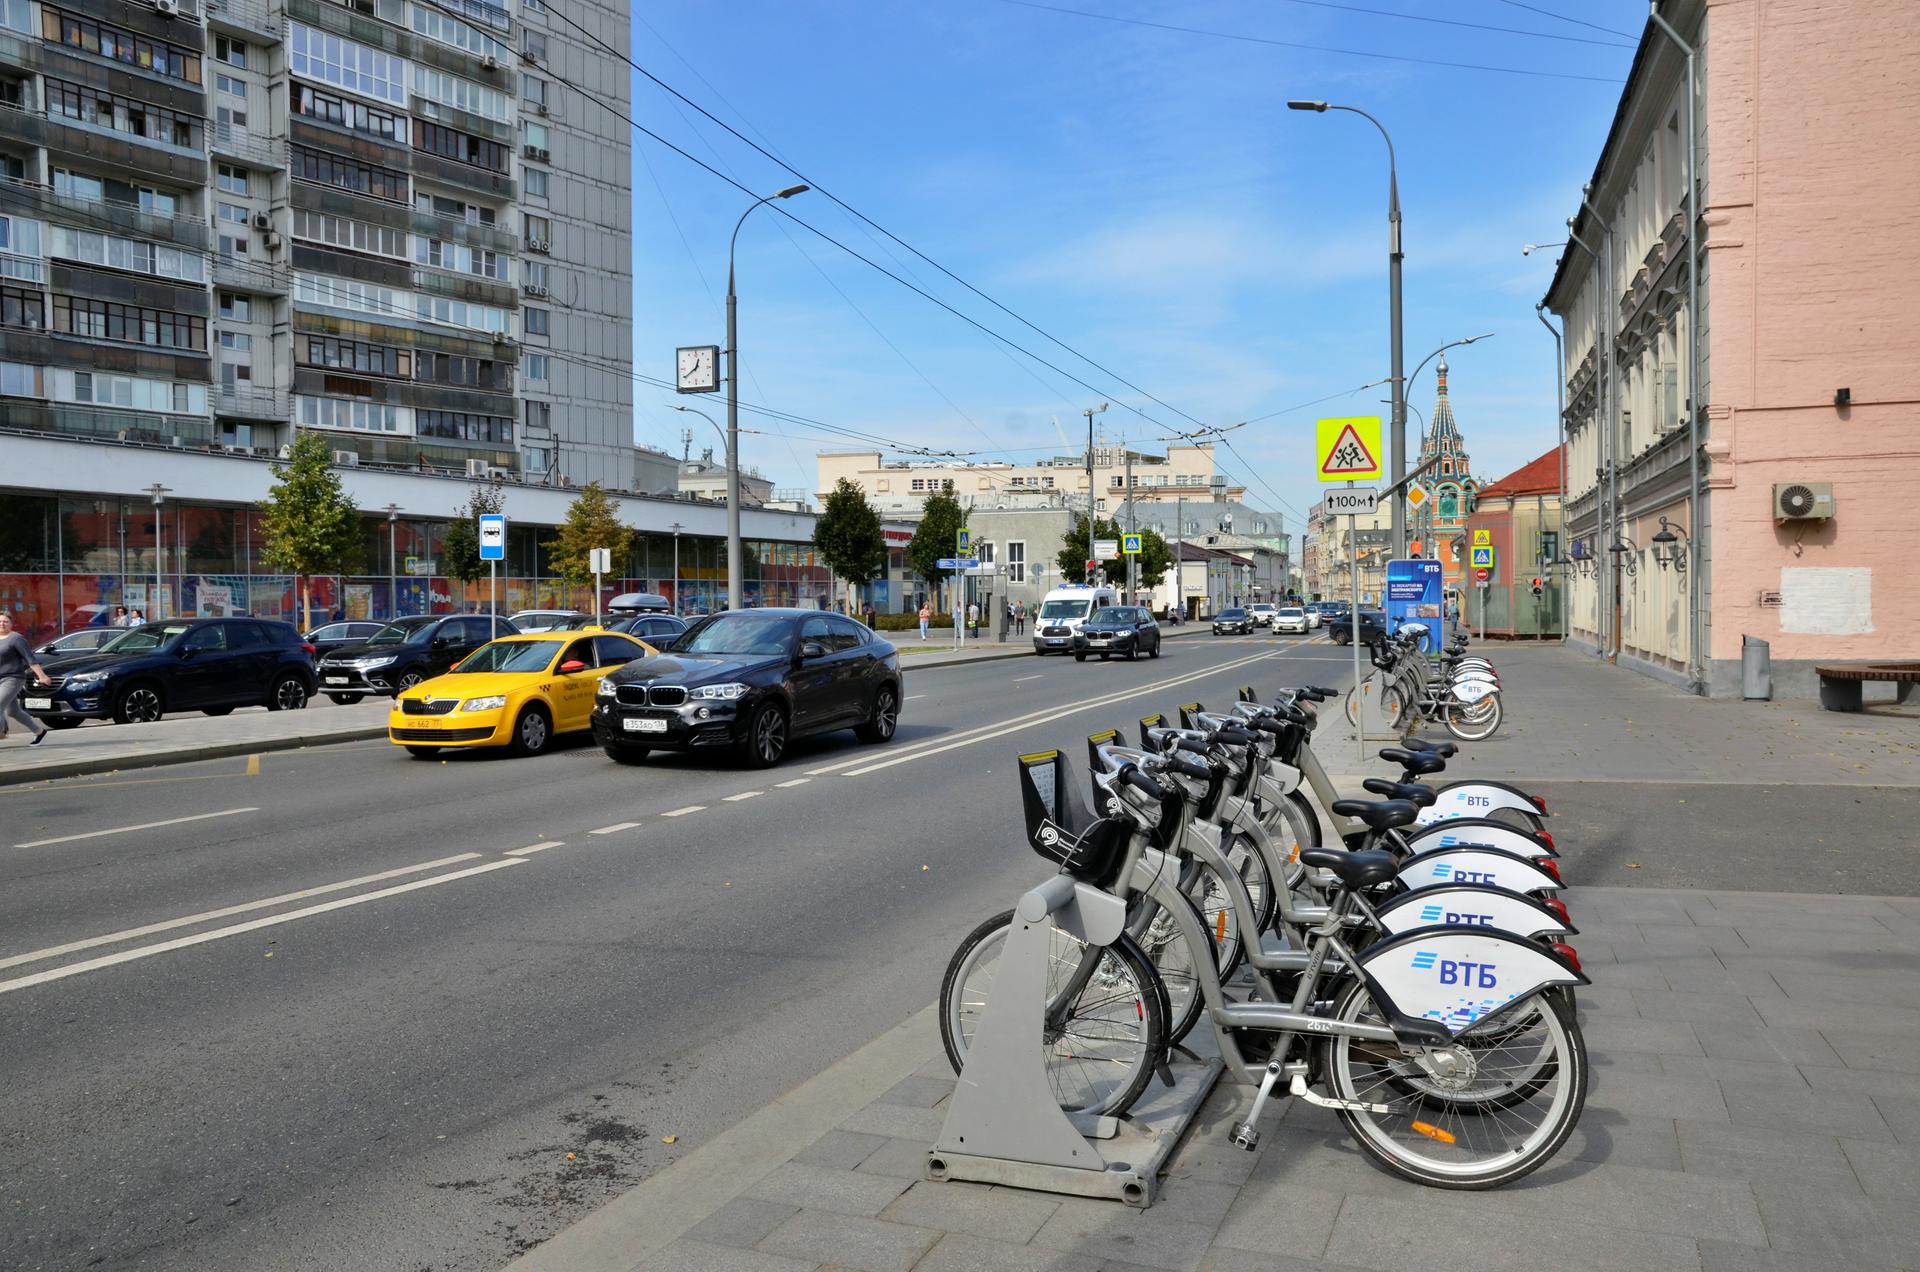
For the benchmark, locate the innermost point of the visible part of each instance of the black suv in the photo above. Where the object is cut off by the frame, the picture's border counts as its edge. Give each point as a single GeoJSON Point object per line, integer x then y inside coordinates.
{"type": "Point", "coordinates": [1118, 629]}
{"type": "Point", "coordinates": [1373, 627]}
{"type": "Point", "coordinates": [405, 652]}
{"type": "Point", "coordinates": [185, 664]}
{"type": "Point", "coordinates": [1233, 621]}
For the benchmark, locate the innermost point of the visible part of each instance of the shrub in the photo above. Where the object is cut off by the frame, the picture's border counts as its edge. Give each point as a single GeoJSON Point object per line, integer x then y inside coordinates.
{"type": "Point", "coordinates": [909, 622]}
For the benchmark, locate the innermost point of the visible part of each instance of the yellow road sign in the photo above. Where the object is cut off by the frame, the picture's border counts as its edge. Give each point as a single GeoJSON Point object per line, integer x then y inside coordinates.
{"type": "Point", "coordinates": [1348, 449]}
{"type": "Point", "coordinates": [1481, 538]}
{"type": "Point", "coordinates": [1417, 495]}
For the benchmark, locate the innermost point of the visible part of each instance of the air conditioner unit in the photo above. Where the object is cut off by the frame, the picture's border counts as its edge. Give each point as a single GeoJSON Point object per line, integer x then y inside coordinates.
{"type": "Point", "coordinates": [536, 289]}
{"type": "Point", "coordinates": [262, 221]}
{"type": "Point", "coordinates": [497, 474]}
{"type": "Point", "coordinates": [272, 241]}
{"type": "Point", "coordinates": [286, 452]}
{"type": "Point", "coordinates": [491, 62]}
{"type": "Point", "coordinates": [539, 245]}
{"type": "Point", "coordinates": [541, 108]}
{"type": "Point", "coordinates": [167, 8]}
{"type": "Point", "coordinates": [502, 338]}
{"type": "Point", "coordinates": [477, 467]}
{"type": "Point", "coordinates": [347, 459]}
{"type": "Point", "coordinates": [1803, 501]}
{"type": "Point", "coordinates": [530, 151]}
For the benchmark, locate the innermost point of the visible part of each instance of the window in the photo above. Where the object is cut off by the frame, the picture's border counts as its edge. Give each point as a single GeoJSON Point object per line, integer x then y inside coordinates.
{"type": "Point", "coordinates": [110, 252]}
{"type": "Point", "coordinates": [919, 483]}
{"type": "Point", "coordinates": [16, 15]}
{"type": "Point", "coordinates": [354, 355]}
{"type": "Point", "coordinates": [460, 147]}
{"type": "Point", "coordinates": [128, 324]}
{"type": "Point", "coordinates": [228, 117]}
{"type": "Point", "coordinates": [537, 459]}
{"type": "Point", "coordinates": [1016, 561]}
{"type": "Point", "coordinates": [536, 134]}
{"type": "Point", "coordinates": [453, 209]}
{"type": "Point", "coordinates": [229, 50]}
{"type": "Point", "coordinates": [365, 417]}
{"type": "Point", "coordinates": [348, 112]}
{"type": "Point", "coordinates": [231, 85]}
{"type": "Point", "coordinates": [236, 341]}
{"type": "Point", "coordinates": [98, 388]}
{"type": "Point", "coordinates": [80, 185]}
{"type": "Point", "coordinates": [534, 367]}
{"type": "Point", "coordinates": [437, 25]}
{"type": "Point", "coordinates": [533, 89]}
{"type": "Point", "coordinates": [464, 426]}
{"type": "Point", "coordinates": [476, 373]}
{"type": "Point", "coordinates": [460, 257]}
{"type": "Point", "coordinates": [347, 293]}
{"type": "Point", "coordinates": [90, 106]}
{"type": "Point", "coordinates": [233, 180]}
{"type": "Point", "coordinates": [442, 89]}
{"type": "Point", "coordinates": [459, 313]}
{"type": "Point", "coordinates": [351, 235]}
{"type": "Point", "coordinates": [345, 174]}
{"type": "Point", "coordinates": [534, 6]}
{"type": "Point", "coordinates": [538, 321]}
{"type": "Point", "coordinates": [346, 65]}
{"type": "Point", "coordinates": [536, 182]}
{"type": "Point", "coordinates": [847, 634]}
{"type": "Point", "coordinates": [534, 274]}
{"type": "Point", "coordinates": [22, 308]}
{"type": "Point", "coordinates": [234, 245]}
{"type": "Point", "coordinates": [539, 415]}
{"type": "Point", "coordinates": [536, 230]}
{"type": "Point", "coordinates": [119, 45]}
{"type": "Point", "coordinates": [533, 45]}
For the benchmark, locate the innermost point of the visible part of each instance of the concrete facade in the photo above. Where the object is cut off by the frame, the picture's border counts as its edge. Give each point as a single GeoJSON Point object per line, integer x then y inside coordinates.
{"type": "Point", "coordinates": [1808, 365]}
{"type": "Point", "coordinates": [901, 487]}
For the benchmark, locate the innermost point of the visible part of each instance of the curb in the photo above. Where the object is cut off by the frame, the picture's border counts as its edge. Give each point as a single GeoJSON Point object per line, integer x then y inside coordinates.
{"type": "Point", "coordinates": [664, 1207]}
{"type": "Point", "coordinates": [160, 759]}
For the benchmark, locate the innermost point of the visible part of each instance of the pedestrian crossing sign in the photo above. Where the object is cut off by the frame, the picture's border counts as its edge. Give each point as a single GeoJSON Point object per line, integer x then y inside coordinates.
{"type": "Point", "coordinates": [1130, 545]}
{"type": "Point", "coordinates": [1348, 449]}
{"type": "Point", "coordinates": [1482, 559]}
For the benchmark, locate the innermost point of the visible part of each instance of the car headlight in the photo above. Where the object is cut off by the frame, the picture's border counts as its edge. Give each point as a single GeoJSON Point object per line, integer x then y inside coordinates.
{"type": "Point", "coordinates": [605, 689]}
{"type": "Point", "coordinates": [87, 680]}
{"type": "Point", "coordinates": [366, 663]}
{"type": "Point", "coordinates": [727, 692]}
{"type": "Point", "coordinates": [494, 703]}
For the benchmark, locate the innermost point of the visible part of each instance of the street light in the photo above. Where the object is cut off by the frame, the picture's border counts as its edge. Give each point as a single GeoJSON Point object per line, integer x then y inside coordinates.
{"type": "Point", "coordinates": [159, 494]}
{"type": "Point", "coordinates": [1666, 546]}
{"type": "Point", "coordinates": [734, 566]}
{"type": "Point", "coordinates": [1090, 412]}
{"type": "Point", "coordinates": [1398, 442]}
{"type": "Point", "coordinates": [1528, 249]}
{"type": "Point", "coordinates": [676, 566]}
{"type": "Point", "coordinates": [718, 431]}
{"type": "Point", "coordinates": [393, 562]}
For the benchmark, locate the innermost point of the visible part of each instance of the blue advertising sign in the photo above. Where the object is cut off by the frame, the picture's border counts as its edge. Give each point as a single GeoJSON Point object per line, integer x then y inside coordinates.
{"type": "Point", "coordinates": [1416, 593]}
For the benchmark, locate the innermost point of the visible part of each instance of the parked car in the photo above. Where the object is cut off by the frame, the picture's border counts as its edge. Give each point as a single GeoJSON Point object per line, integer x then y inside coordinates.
{"type": "Point", "coordinates": [529, 622]}
{"type": "Point", "coordinates": [84, 641]}
{"type": "Point", "coordinates": [1291, 619]}
{"type": "Point", "coordinates": [655, 629]}
{"type": "Point", "coordinates": [1314, 616]}
{"type": "Point", "coordinates": [1373, 627]}
{"type": "Point", "coordinates": [1232, 621]}
{"type": "Point", "coordinates": [1118, 629]}
{"type": "Point", "coordinates": [186, 664]}
{"type": "Point", "coordinates": [516, 692]}
{"type": "Point", "coordinates": [1262, 613]}
{"type": "Point", "coordinates": [339, 635]}
{"type": "Point", "coordinates": [748, 682]}
{"type": "Point", "coordinates": [406, 652]}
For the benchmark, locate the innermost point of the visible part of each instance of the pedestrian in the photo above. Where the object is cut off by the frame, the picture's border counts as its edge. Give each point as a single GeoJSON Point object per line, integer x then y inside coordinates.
{"type": "Point", "coordinates": [137, 618]}
{"type": "Point", "coordinates": [119, 616]}
{"type": "Point", "coordinates": [867, 614]}
{"type": "Point", "coordinates": [973, 615]}
{"type": "Point", "coordinates": [16, 660]}
{"type": "Point", "coordinates": [926, 616]}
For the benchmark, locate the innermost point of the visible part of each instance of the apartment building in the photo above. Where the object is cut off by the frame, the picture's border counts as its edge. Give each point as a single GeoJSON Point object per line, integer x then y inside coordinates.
{"type": "Point", "coordinates": [900, 487]}
{"type": "Point", "coordinates": [390, 220]}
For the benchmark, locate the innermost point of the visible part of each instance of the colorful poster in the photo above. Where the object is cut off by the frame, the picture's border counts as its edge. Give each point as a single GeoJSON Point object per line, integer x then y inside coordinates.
{"type": "Point", "coordinates": [360, 600]}
{"type": "Point", "coordinates": [1414, 594]}
{"type": "Point", "coordinates": [212, 601]}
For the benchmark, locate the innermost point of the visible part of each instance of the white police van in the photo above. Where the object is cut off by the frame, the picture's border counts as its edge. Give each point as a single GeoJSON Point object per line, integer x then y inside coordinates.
{"type": "Point", "coordinates": [1063, 610]}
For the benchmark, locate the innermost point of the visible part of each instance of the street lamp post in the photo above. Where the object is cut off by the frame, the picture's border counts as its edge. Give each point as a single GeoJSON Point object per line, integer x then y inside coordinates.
{"type": "Point", "coordinates": [1398, 444]}
{"type": "Point", "coordinates": [1090, 412]}
{"type": "Point", "coordinates": [393, 562]}
{"type": "Point", "coordinates": [734, 566]}
{"type": "Point", "coordinates": [159, 494]}
{"type": "Point", "coordinates": [1560, 433]}
{"type": "Point", "coordinates": [676, 567]}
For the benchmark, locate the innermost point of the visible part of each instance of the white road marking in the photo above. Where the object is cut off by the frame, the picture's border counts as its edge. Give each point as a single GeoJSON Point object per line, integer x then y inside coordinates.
{"type": "Point", "coordinates": [1023, 679]}
{"type": "Point", "coordinates": [1057, 714]}
{"type": "Point", "coordinates": [912, 697]}
{"type": "Point", "coordinates": [129, 934]}
{"type": "Point", "coordinates": [252, 925]}
{"type": "Point", "coordinates": [798, 781]}
{"type": "Point", "coordinates": [127, 830]}
{"type": "Point", "coordinates": [530, 849]}
{"type": "Point", "coordinates": [682, 812]}
{"type": "Point", "coordinates": [735, 799]}
{"type": "Point", "coordinates": [614, 829]}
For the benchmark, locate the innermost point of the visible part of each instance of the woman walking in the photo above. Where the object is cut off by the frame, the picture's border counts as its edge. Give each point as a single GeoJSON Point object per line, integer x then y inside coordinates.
{"type": "Point", "coordinates": [926, 616]}
{"type": "Point", "coordinates": [16, 660]}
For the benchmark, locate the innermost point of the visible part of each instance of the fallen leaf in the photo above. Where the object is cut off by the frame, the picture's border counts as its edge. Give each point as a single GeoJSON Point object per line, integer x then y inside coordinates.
{"type": "Point", "coordinates": [1633, 865]}
{"type": "Point", "coordinates": [569, 1156]}
{"type": "Point", "coordinates": [269, 953]}
{"type": "Point", "coordinates": [669, 1139]}
{"type": "Point", "coordinates": [926, 868]}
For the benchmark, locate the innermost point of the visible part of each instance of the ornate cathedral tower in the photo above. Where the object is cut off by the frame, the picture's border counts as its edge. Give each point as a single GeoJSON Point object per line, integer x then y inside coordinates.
{"type": "Point", "coordinates": [1449, 484]}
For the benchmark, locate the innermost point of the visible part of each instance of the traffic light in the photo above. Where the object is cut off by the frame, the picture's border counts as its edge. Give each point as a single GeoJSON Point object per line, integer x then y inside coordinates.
{"type": "Point", "coordinates": [1091, 567]}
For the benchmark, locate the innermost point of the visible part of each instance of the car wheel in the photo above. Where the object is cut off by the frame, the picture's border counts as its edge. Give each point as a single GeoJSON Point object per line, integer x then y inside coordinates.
{"type": "Point", "coordinates": [289, 694]}
{"type": "Point", "coordinates": [1079, 658]}
{"type": "Point", "coordinates": [1155, 651]}
{"type": "Point", "coordinates": [216, 711]}
{"type": "Point", "coordinates": [409, 678]}
{"type": "Point", "coordinates": [1104, 657]}
{"type": "Point", "coordinates": [345, 699]}
{"type": "Point", "coordinates": [532, 731]}
{"type": "Point", "coordinates": [885, 719]}
{"type": "Point", "coordinates": [423, 752]}
{"type": "Point", "coordinates": [625, 754]}
{"type": "Point", "coordinates": [1132, 653]}
{"type": "Point", "coordinates": [139, 704]}
{"type": "Point", "coordinates": [766, 739]}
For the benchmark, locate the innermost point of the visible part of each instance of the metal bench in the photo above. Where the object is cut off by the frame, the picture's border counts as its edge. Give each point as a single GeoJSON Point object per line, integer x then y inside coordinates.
{"type": "Point", "coordinates": [1840, 686]}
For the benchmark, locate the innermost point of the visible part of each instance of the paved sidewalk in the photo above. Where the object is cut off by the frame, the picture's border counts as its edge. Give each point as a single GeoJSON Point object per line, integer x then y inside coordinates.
{"type": "Point", "coordinates": [1755, 1104]}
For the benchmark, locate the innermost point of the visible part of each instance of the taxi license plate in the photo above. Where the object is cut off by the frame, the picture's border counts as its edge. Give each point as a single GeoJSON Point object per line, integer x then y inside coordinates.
{"type": "Point", "coordinates": [39, 704]}
{"type": "Point", "coordinates": [336, 680]}
{"type": "Point", "coordinates": [643, 724]}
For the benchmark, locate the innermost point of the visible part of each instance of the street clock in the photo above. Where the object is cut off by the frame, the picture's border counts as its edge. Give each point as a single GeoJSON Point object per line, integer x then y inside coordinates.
{"type": "Point", "coordinates": [698, 369]}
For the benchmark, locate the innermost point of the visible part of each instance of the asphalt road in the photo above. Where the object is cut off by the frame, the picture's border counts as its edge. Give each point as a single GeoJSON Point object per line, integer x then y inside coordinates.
{"type": "Point", "coordinates": [503, 986]}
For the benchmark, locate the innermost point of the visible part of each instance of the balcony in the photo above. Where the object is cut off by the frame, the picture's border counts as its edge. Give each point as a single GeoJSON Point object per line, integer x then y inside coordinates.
{"type": "Point", "coordinates": [356, 27]}
{"type": "Point", "coordinates": [34, 199]}
{"type": "Point", "coordinates": [462, 176]}
{"type": "Point", "coordinates": [245, 401]}
{"type": "Point", "coordinates": [453, 229]}
{"type": "Point", "coordinates": [241, 274]}
{"type": "Point", "coordinates": [228, 142]}
{"type": "Point", "coordinates": [247, 17]}
{"type": "Point", "coordinates": [490, 15]}
{"type": "Point", "coordinates": [21, 52]}
{"type": "Point", "coordinates": [468, 287]}
{"type": "Point", "coordinates": [144, 427]}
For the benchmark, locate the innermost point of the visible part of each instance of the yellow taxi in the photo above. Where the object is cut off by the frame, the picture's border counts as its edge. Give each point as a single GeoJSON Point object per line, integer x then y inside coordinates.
{"type": "Point", "coordinates": [516, 692]}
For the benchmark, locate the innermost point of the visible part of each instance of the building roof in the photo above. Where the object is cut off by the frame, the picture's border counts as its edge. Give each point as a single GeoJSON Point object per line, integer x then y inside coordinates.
{"type": "Point", "coordinates": [1539, 477]}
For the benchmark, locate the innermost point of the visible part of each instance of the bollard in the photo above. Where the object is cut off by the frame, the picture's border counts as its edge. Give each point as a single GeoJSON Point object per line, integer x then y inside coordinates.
{"type": "Point", "coordinates": [1756, 669]}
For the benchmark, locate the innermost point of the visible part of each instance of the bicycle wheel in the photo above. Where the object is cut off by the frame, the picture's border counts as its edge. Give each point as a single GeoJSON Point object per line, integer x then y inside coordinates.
{"type": "Point", "coordinates": [1252, 869]}
{"type": "Point", "coordinates": [1482, 724]}
{"type": "Point", "coordinates": [1102, 1050]}
{"type": "Point", "coordinates": [1172, 958]}
{"type": "Point", "coordinates": [1508, 1103]}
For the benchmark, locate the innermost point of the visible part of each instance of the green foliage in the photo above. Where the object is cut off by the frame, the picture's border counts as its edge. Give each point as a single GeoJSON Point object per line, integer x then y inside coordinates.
{"type": "Point", "coordinates": [308, 524]}
{"type": "Point", "coordinates": [1155, 559]}
{"type": "Point", "coordinates": [910, 622]}
{"type": "Point", "coordinates": [1073, 556]}
{"type": "Point", "coordinates": [591, 523]}
{"type": "Point", "coordinates": [460, 545]}
{"type": "Point", "coordinates": [936, 536]}
{"type": "Point", "coordinates": [848, 534]}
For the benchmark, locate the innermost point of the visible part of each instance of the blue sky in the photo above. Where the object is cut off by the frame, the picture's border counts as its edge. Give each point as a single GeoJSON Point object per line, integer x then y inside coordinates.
{"type": "Point", "coordinates": [1140, 193]}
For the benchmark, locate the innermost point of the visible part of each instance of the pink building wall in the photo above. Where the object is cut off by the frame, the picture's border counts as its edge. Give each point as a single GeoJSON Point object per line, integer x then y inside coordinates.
{"type": "Point", "coordinates": [1813, 284]}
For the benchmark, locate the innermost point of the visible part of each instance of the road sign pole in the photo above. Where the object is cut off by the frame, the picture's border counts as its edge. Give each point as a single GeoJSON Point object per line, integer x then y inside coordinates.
{"type": "Point", "coordinates": [1359, 703]}
{"type": "Point", "coordinates": [493, 588]}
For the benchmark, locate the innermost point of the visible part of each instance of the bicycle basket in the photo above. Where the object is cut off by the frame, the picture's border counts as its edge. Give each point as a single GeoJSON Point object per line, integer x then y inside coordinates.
{"type": "Point", "coordinates": [1060, 828]}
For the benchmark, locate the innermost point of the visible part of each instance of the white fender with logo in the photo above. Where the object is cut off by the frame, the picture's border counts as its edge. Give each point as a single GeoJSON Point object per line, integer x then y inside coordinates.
{"type": "Point", "coordinates": [1476, 865]}
{"type": "Point", "coordinates": [1470, 905]}
{"type": "Point", "coordinates": [1473, 690]}
{"type": "Point", "coordinates": [1478, 832]}
{"type": "Point", "coordinates": [1458, 975]}
{"type": "Point", "coordinates": [1474, 799]}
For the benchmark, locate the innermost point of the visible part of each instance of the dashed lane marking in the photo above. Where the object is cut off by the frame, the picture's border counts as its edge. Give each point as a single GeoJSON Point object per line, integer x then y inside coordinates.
{"type": "Point", "coordinates": [798, 781]}
{"type": "Point", "coordinates": [614, 829]}
{"type": "Point", "coordinates": [682, 812]}
{"type": "Point", "coordinates": [530, 849]}
{"type": "Point", "coordinates": [735, 799]}
{"type": "Point", "coordinates": [1023, 679]}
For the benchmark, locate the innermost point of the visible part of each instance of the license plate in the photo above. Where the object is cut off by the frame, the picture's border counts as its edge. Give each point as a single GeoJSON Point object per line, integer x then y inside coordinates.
{"type": "Point", "coordinates": [1056, 640]}
{"type": "Point", "coordinates": [336, 680]}
{"type": "Point", "coordinates": [39, 704]}
{"type": "Point", "coordinates": [643, 724]}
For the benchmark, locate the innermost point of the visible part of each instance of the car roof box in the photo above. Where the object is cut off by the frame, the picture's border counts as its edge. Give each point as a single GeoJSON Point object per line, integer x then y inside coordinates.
{"type": "Point", "coordinates": [639, 603]}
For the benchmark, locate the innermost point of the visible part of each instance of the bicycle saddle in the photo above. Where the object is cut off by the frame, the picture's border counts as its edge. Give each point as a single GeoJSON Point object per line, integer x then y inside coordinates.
{"type": "Point", "coordinates": [1414, 763]}
{"type": "Point", "coordinates": [1354, 869]}
{"type": "Point", "coordinates": [1383, 815]}
{"type": "Point", "coordinates": [1413, 792]}
{"type": "Point", "coordinates": [1445, 750]}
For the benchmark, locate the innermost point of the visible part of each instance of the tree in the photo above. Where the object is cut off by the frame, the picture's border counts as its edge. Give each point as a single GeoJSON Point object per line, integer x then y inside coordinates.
{"type": "Point", "coordinates": [591, 523]}
{"type": "Point", "coordinates": [308, 524]}
{"type": "Point", "coordinates": [1154, 559]}
{"type": "Point", "coordinates": [848, 534]}
{"type": "Point", "coordinates": [460, 545]}
{"type": "Point", "coordinates": [1073, 555]}
{"type": "Point", "coordinates": [940, 526]}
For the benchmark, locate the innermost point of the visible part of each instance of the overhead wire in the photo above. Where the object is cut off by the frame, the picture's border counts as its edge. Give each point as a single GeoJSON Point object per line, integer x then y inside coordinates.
{"type": "Point", "coordinates": [1548, 13]}
{"type": "Point", "coordinates": [1455, 22]}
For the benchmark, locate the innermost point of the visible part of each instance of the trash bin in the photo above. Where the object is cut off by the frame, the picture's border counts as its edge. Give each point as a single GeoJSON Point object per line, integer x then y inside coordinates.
{"type": "Point", "coordinates": [1756, 668]}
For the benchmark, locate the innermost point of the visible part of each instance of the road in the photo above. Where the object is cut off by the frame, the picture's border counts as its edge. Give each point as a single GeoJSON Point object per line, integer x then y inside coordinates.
{"type": "Point", "coordinates": [344, 1009]}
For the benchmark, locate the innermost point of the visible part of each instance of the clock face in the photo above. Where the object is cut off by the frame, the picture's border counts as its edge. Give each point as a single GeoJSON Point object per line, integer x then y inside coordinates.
{"type": "Point", "coordinates": [697, 369]}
